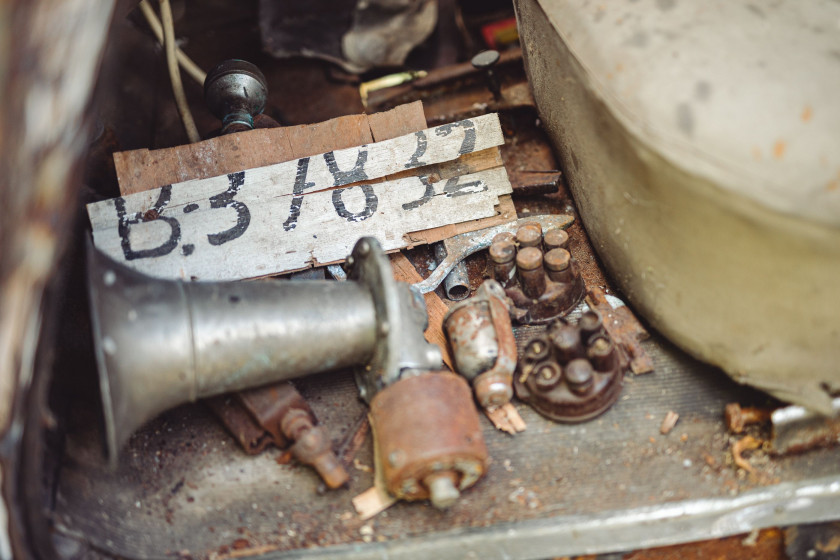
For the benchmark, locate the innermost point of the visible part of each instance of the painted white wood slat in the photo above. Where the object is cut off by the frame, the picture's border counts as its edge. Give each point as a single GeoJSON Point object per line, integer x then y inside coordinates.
{"type": "Point", "coordinates": [237, 230]}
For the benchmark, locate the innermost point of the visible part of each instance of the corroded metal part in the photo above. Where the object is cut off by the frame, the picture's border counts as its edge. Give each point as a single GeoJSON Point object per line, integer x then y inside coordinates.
{"type": "Point", "coordinates": [572, 374]}
{"type": "Point", "coordinates": [236, 92]}
{"type": "Point", "coordinates": [277, 414]}
{"type": "Point", "coordinates": [161, 343]}
{"type": "Point", "coordinates": [546, 285]}
{"type": "Point", "coordinates": [797, 429]}
{"type": "Point", "coordinates": [481, 336]}
{"type": "Point", "coordinates": [461, 246]}
{"type": "Point", "coordinates": [456, 285]}
{"type": "Point", "coordinates": [427, 427]}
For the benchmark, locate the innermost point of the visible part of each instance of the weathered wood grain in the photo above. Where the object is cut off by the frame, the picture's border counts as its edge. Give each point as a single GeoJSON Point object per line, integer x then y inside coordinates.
{"type": "Point", "coordinates": [359, 163]}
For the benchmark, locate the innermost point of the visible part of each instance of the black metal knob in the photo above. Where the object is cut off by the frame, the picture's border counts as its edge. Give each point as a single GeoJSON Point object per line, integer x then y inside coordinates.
{"type": "Point", "coordinates": [486, 60]}
{"type": "Point", "coordinates": [235, 91]}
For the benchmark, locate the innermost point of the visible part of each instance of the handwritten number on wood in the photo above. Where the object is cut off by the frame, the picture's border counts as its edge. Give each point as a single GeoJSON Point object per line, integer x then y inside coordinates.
{"type": "Point", "coordinates": [344, 177]}
{"type": "Point", "coordinates": [422, 143]}
{"type": "Point", "coordinates": [125, 223]}
{"type": "Point", "coordinates": [468, 144]}
{"type": "Point", "coordinates": [225, 200]}
{"type": "Point", "coordinates": [297, 193]}
{"type": "Point", "coordinates": [371, 203]}
{"type": "Point", "coordinates": [453, 188]}
{"type": "Point", "coordinates": [427, 195]}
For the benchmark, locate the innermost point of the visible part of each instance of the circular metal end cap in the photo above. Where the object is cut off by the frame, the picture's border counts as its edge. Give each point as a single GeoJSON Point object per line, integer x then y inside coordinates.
{"type": "Point", "coordinates": [442, 490]}
{"type": "Point", "coordinates": [557, 260]}
{"type": "Point", "coordinates": [235, 85]}
{"type": "Point", "coordinates": [529, 235]}
{"type": "Point", "coordinates": [589, 322]}
{"type": "Point", "coordinates": [485, 59]}
{"type": "Point", "coordinates": [555, 238]}
{"type": "Point", "coordinates": [503, 251]}
{"type": "Point", "coordinates": [529, 258]}
{"type": "Point", "coordinates": [579, 376]}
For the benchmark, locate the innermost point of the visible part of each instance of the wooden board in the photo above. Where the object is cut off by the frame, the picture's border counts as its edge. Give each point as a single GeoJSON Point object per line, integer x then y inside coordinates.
{"type": "Point", "coordinates": [274, 219]}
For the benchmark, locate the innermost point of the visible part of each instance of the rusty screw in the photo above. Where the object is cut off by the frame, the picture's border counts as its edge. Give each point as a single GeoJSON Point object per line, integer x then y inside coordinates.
{"type": "Point", "coordinates": [738, 418]}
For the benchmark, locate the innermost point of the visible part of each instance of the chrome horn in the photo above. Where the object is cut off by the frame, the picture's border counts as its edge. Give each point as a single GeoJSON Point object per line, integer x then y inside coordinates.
{"type": "Point", "coordinates": [160, 343]}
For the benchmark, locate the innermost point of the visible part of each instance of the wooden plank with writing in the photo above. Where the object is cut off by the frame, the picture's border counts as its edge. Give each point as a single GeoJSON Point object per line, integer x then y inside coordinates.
{"type": "Point", "coordinates": [144, 229]}
{"type": "Point", "coordinates": [214, 241]}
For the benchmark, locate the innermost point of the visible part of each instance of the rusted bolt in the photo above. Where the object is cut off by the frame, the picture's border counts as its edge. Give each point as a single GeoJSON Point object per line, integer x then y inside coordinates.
{"type": "Point", "coordinates": [566, 341]}
{"type": "Point", "coordinates": [556, 238]}
{"type": "Point", "coordinates": [547, 375]}
{"type": "Point", "coordinates": [579, 376]}
{"type": "Point", "coordinates": [529, 235]}
{"type": "Point", "coordinates": [738, 418]}
{"type": "Point", "coordinates": [529, 265]}
{"type": "Point", "coordinates": [601, 353]}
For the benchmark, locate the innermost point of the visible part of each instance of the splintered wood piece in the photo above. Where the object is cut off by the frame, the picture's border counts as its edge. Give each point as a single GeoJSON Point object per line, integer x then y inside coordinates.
{"type": "Point", "coordinates": [436, 307]}
{"type": "Point", "coordinates": [506, 418]}
{"type": "Point", "coordinates": [668, 422]}
{"type": "Point", "coordinates": [372, 501]}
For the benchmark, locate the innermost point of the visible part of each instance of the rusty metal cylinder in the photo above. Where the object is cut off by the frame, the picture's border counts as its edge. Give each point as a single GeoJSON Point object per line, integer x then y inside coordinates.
{"type": "Point", "coordinates": [558, 265]}
{"type": "Point", "coordinates": [601, 353]}
{"type": "Point", "coordinates": [529, 267]}
{"type": "Point", "coordinates": [579, 376]}
{"type": "Point", "coordinates": [567, 343]}
{"type": "Point", "coordinates": [502, 258]}
{"type": "Point", "coordinates": [555, 238]}
{"type": "Point", "coordinates": [590, 324]}
{"type": "Point", "coordinates": [427, 430]}
{"type": "Point", "coordinates": [529, 235]}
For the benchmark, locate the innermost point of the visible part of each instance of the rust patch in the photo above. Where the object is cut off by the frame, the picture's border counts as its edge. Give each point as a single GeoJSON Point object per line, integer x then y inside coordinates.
{"type": "Point", "coordinates": [779, 149]}
{"type": "Point", "coordinates": [807, 113]}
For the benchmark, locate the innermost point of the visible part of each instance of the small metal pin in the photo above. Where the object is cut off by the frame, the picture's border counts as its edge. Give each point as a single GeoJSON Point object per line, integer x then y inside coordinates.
{"type": "Point", "coordinates": [486, 60]}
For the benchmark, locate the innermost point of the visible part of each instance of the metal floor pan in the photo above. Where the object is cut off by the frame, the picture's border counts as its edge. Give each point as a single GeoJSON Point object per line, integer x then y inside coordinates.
{"type": "Point", "coordinates": [183, 488]}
